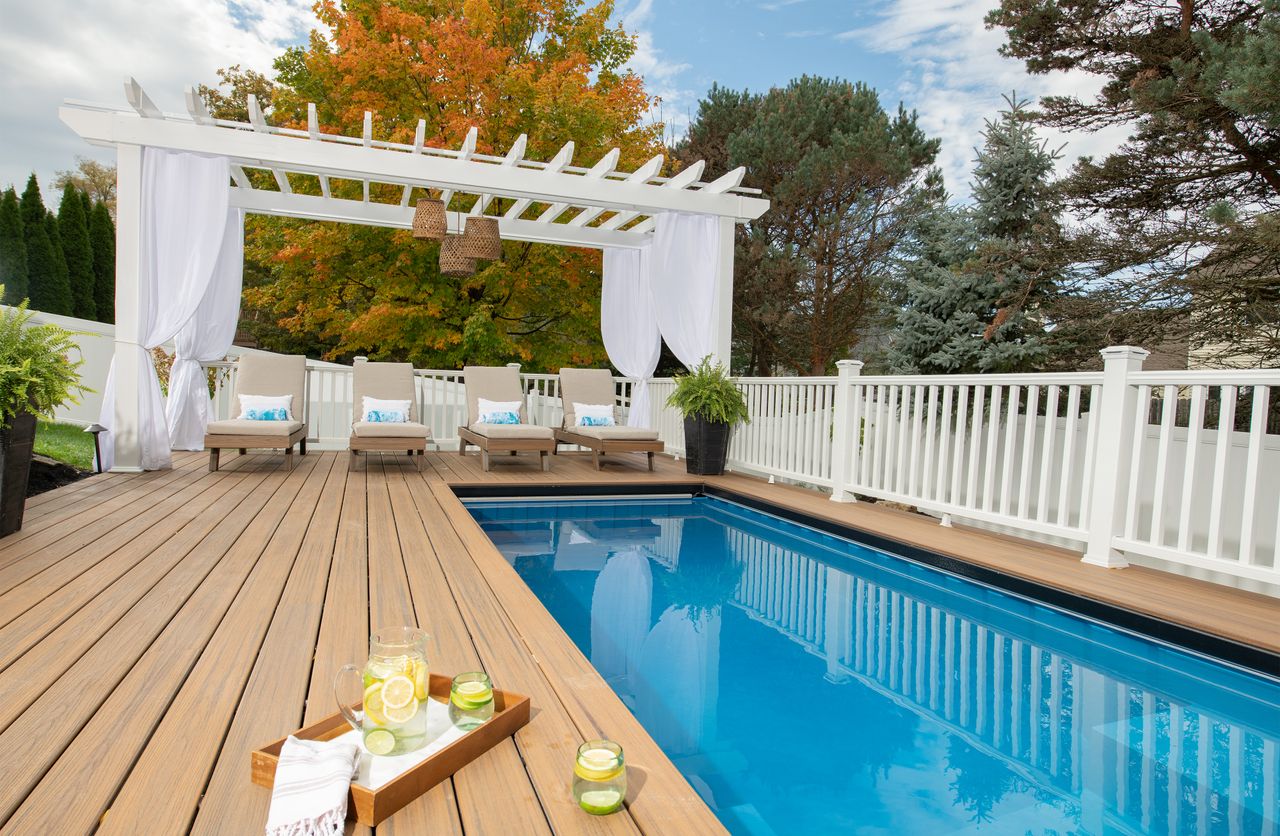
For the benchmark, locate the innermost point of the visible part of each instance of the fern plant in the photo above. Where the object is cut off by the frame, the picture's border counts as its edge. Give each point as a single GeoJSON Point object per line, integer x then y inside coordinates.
{"type": "Point", "coordinates": [37, 373]}
{"type": "Point", "coordinates": [708, 393]}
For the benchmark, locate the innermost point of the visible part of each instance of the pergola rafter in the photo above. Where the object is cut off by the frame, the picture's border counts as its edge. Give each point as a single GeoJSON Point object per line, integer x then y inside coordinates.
{"type": "Point", "coordinates": [553, 202]}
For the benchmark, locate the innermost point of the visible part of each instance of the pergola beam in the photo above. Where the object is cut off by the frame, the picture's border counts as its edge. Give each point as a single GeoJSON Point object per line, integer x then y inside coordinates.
{"type": "Point", "coordinates": [271, 150]}
{"type": "Point", "coordinates": [338, 210]}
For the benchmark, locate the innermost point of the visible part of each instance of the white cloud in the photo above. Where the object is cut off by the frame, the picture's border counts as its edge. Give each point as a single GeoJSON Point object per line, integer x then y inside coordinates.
{"type": "Point", "coordinates": [662, 76]}
{"type": "Point", "coordinates": [57, 49]}
{"type": "Point", "coordinates": [955, 77]}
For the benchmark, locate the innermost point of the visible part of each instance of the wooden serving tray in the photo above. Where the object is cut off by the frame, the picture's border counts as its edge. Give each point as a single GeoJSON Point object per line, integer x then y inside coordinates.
{"type": "Point", "coordinates": [371, 807]}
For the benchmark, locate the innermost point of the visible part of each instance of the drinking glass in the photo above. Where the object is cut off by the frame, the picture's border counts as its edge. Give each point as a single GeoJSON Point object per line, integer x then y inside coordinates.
{"type": "Point", "coordinates": [599, 777]}
{"type": "Point", "coordinates": [470, 700]}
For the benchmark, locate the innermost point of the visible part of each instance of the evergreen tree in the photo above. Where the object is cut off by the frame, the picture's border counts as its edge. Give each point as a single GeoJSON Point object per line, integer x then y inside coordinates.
{"type": "Point", "coordinates": [61, 300]}
{"type": "Point", "coordinates": [974, 289]}
{"type": "Point", "coordinates": [102, 235]}
{"type": "Point", "coordinates": [73, 232]}
{"type": "Point", "coordinates": [13, 249]}
{"type": "Point", "coordinates": [41, 256]}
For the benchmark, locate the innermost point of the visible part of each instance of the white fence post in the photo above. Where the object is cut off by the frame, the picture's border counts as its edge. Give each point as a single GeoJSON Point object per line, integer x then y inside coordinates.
{"type": "Point", "coordinates": [1112, 454]}
{"type": "Point", "coordinates": [842, 427]}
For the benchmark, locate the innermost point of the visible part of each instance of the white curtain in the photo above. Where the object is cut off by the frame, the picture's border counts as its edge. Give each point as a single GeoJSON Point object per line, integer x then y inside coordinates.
{"type": "Point", "coordinates": [682, 277]}
{"type": "Point", "coordinates": [205, 338]}
{"type": "Point", "coordinates": [629, 324]}
{"type": "Point", "coordinates": [184, 218]}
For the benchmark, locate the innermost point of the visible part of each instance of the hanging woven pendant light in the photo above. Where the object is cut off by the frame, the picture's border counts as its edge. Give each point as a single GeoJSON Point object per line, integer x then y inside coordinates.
{"type": "Point", "coordinates": [452, 261]}
{"type": "Point", "coordinates": [429, 220]}
{"type": "Point", "coordinates": [481, 238]}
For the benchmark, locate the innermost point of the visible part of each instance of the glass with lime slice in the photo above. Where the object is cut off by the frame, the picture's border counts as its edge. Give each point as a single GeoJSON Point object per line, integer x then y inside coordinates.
{"type": "Point", "coordinates": [599, 777]}
{"type": "Point", "coordinates": [470, 700]}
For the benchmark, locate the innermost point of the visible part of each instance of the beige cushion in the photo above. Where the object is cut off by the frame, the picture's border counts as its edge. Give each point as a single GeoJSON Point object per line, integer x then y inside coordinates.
{"type": "Point", "coordinates": [374, 429]}
{"type": "Point", "coordinates": [590, 386]}
{"type": "Point", "coordinates": [616, 433]}
{"type": "Point", "coordinates": [512, 431]}
{"type": "Point", "coordinates": [273, 374]}
{"type": "Point", "coordinates": [236, 426]}
{"type": "Point", "coordinates": [493, 383]}
{"type": "Point", "coordinates": [385, 381]}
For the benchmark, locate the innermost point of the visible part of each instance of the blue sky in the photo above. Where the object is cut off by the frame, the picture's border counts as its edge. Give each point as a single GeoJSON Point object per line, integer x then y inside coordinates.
{"type": "Point", "coordinates": [935, 55]}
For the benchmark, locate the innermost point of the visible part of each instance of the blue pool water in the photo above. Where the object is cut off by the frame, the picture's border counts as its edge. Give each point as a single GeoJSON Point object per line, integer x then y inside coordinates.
{"type": "Point", "coordinates": [806, 684]}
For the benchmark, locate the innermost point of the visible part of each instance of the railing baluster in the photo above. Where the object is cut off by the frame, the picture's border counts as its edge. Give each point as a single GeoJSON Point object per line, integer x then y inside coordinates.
{"type": "Point", "coordinates": [942, 469]}
{"type": "Point", "coordinates": [917, 422]}
{"type": "Point", "coordinates": [992, 452]}
{"type": "Point", "coordinates": [1046, 452]}
{"type": "Point", "coordinates": [1222, 442]}
{"type": "Point", "coordinates": [1253, 459]}
{"type": "Point", "coordinates": [975, 444]}
{"type": "Point", "coordinates": [1140, 417]}
{"type": "Point", "coordinates": [1195, 423]}
{"type": "Point", "coordinates": [1029, 433]}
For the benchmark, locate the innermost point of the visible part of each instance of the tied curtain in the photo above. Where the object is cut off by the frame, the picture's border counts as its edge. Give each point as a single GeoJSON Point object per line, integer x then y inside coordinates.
{"type": "Point", "coordinates": [629, 324]}
{"type": "Point", "coordinates": [205, 337]}
{"type": "Point", "coordinates": [665, 291]}
{"type": "Point", "coordinates": [184, 221]}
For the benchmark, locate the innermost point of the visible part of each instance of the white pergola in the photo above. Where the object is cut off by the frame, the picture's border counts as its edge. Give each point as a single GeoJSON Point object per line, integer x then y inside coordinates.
{"type": "Point", "coordinates": [597, 207]}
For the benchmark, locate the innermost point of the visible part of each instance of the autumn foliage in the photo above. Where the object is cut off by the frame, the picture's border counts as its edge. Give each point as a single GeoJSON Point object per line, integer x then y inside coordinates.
{"type": "Point", "coordinates": [551, 69]}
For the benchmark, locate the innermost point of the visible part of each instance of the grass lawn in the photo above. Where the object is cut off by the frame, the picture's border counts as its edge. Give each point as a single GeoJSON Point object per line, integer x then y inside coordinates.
{"type": "Point", "coordinates": [66, 443]}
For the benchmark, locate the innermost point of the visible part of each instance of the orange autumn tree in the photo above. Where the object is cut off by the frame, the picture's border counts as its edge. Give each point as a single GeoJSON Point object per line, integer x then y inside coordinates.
{"type": "Point", "coordinates": [551, 69]}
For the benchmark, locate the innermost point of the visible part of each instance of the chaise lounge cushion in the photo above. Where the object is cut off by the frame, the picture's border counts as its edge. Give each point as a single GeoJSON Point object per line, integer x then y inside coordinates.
{"type": "Point", "coordinates": [239, 426]}
{"type": "Point", "coordinates": [493, 383]}
{"type": "Point", "coordinates": [402, 429]}
{"type": "Point", "coordinates": [615, 433]}
{"type": "Point", "coordinates": [512, 431]}
{"type": "Point", "coordinates": [586, 386]}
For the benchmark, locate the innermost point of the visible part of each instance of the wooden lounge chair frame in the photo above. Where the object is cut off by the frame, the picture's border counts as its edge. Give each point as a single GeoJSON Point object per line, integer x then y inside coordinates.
{"type": "Point", "coordinates": [357, 444]}
{"type": "Point", "coordinates": [508, 388]}
{"type": "Point", "coordinates": [264, 365]}
{"type": "Point", "coordinates": [598, 386]}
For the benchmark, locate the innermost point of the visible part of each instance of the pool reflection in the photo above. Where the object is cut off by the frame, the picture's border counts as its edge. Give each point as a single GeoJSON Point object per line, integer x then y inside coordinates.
{"type": "Point", "coordinates": [807, 685]}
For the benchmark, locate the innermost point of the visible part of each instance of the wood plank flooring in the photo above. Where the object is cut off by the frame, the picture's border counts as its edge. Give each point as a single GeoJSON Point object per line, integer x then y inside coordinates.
{"type": "Point", "coordinates": [155, 628]}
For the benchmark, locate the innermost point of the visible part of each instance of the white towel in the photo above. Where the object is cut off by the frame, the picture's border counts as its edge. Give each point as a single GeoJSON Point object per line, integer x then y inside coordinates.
{"type": "Point", "coordinates": [309, 797]}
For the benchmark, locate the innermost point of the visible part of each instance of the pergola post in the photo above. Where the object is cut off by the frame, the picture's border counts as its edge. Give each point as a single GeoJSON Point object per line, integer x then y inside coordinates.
{"type": "Point", "coordinates": [722, 316]}
{"type": "Point", "coordinates": [128, 333]}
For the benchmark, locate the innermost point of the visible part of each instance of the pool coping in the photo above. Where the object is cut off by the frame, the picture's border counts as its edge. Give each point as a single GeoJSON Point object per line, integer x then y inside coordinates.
{"type": "Point", "coordinates": [1219, 648]}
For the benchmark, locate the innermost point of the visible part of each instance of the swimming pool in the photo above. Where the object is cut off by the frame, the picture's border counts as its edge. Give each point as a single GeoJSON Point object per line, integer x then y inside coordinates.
{"type": "Point", "coordinates": [804, 683]}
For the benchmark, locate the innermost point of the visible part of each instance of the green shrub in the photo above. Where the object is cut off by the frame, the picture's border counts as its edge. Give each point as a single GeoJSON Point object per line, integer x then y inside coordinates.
{"type": "Point", "coordinates": [707, 392]}
{"type": "Point", "coordinates": [37, 373]}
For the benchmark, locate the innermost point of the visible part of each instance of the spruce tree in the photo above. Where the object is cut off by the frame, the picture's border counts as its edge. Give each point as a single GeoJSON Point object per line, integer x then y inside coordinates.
{"type": "Point", "coordinates": [41, 257]}
{"type": "Point", "coordinates": [102, 235]}
{"type": "Point", "coordinates": [13, 249]}
{"type": "Point", "coordinates": [73, 231]}
{"type": "Point", "coordinates": [61, 300]}
{"type": "Point", "coordinates": [972, 303]}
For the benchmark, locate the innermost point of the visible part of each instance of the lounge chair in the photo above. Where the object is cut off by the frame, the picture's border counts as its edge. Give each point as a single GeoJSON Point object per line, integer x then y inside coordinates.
{"type": "Point", "coordinates": [386, 381]}
{"type": "Point", "coordinates": [270, 375]}
{"type": "Point", "coordinates": [596, 387]}
{"type": "Point", "coordinates": [501, 384]}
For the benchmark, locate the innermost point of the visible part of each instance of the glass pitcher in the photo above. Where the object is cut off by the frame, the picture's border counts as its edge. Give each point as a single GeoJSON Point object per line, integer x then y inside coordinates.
{"type": "Point", "coordinates": [395, 692]}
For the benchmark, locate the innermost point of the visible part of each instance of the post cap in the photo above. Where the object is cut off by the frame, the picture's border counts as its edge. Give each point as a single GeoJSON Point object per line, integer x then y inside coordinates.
{"type": "Point", "coordinates": [1124, 352]}
{"type": "Point", "coordinates": [849, 364]}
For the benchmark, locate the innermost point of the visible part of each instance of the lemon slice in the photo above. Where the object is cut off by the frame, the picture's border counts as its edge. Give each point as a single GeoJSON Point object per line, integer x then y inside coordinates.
{"type": "Point", "coordinates": [472, 695]}
{"type": "Point", "coordinates": [421, 679]}
{"type": "Point", "coordinates": [403, 713]}
{"type": "Point", "coordinates": [397, 691]}
{"type": "Point", "coordinates": [600, 802]}
{"type": "Point", "coordinates": [373, 707]}
{"type": "Point", "coordinates": [597, 765]}
{"type": "Point", "coordinates": [379, 741]}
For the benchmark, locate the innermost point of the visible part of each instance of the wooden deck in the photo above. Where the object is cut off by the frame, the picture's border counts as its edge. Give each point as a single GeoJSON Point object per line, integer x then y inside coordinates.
{"type": "Point", "coordinates": [156, 628]}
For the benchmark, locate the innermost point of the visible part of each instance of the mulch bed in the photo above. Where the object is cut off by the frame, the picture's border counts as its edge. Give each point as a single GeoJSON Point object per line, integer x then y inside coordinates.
{"type": "Point", "coordinates": [47, 474]}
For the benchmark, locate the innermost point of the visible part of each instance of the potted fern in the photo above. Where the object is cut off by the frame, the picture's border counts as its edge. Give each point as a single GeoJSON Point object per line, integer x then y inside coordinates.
{"type": "Point", "coordinates": [37, 375]}
{"type": "Point", "coordinates": [711, 405]}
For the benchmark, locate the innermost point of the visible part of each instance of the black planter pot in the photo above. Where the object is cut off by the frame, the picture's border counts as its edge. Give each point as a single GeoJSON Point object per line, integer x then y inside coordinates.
{"type": "Point", "coordinates": [706, 445]}
{"type": "Point", "coordinates": [16, 444]}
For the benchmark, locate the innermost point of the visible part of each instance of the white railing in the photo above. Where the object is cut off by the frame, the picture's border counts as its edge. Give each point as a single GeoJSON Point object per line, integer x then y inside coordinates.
{"type": "Point", "coordinates": [1117, 463]}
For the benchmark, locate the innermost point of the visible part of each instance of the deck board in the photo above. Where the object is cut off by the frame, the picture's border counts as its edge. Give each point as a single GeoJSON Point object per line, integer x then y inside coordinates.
{"type": "Point", "coordinates": [183, 617]}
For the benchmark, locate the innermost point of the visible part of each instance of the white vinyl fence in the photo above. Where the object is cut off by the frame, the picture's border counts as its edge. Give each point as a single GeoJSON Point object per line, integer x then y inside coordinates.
{"type": "Point", "coordinates": [1182, 467]}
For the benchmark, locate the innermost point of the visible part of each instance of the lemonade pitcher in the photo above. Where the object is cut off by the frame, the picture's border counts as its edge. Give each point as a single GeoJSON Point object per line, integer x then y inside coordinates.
{"type": "Point", "coordinates": [395, 692]}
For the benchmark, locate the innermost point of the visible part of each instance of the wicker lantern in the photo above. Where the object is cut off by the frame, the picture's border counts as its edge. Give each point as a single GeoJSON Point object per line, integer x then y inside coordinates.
{"type": "Point", "coordinates": [452, 261]}
{"type": "Point", "coordinates": [481, 238]}
{"type": "Point", "coordinates": [429, 220]}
